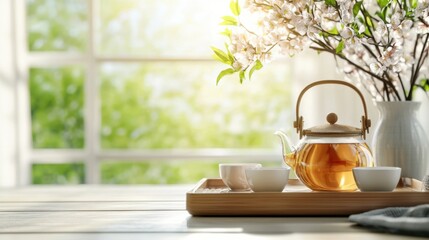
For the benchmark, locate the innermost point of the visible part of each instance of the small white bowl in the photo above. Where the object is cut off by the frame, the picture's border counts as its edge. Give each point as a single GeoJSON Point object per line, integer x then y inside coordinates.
{"type": "Point", "coordinates": [383, 179]}
{"type": "Point", "coordinates": [267, 179]}
{"type": "Point", "coordinates": [234, 176]}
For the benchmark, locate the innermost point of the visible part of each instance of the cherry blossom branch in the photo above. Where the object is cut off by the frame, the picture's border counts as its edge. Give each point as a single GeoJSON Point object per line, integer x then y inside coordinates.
{"type": "Point", "coordinates": [332, 51]}
{"type": "Point", "coordinates": [422, 58]}
{"type": "Point", "coordinates": [369, 29]}
{"type": "Point", "coordinates": [416, 43]}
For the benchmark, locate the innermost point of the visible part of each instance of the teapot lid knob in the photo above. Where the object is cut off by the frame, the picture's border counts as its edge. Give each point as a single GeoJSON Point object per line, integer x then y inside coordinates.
{"type": "Point", "coordinates": [332, 118]}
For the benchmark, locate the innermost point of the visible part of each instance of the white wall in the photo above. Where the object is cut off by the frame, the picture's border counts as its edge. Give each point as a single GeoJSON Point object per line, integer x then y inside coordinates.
{"type": "Point", "coordinates": [8, 140]}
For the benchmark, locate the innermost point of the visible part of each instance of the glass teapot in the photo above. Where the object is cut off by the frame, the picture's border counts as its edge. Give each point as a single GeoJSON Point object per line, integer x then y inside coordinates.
{"type": "Point", "coordinates": [326, 154]}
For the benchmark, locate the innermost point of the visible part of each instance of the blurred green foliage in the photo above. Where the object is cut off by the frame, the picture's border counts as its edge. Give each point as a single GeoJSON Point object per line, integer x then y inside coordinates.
{"type": "Point", "coordinates": [161, 172]}
{"type": "Point", "coordinates": [57, 25]}
{"type": "Point", "coordinates": [70, 173]}
{"type": "Point", "coordinates": [125, 172]}
{"type": "Point", "coordinates": [157, 172]}
{"type": "Point", "coordinates": [163, 106]}
{"type": "Point", "coordinates": [57, 96]}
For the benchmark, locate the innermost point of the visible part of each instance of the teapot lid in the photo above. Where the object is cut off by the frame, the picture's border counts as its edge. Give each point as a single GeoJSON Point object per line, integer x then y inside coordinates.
{"type": "Point", "coordinates": [331, 129]}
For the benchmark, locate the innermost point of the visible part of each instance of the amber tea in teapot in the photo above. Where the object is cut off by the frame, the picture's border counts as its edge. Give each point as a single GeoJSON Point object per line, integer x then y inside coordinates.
{"type": "Point", "coordinates": [324, 166]}
{"type": "Point", "coordinates": [326, 154]}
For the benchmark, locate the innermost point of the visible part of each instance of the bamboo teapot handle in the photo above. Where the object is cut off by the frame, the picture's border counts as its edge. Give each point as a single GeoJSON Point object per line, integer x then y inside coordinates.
{"type": "Point", "coordinates": [299, 122]}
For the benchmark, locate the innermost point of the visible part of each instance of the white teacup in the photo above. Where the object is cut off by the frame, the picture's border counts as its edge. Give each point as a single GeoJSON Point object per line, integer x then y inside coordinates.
{"type": "Point", "coordinates": [270, 179]}
{"type": "Point", "coordinates": [234, 175]}
{"type": "Point", "coordinates": [377, 178]}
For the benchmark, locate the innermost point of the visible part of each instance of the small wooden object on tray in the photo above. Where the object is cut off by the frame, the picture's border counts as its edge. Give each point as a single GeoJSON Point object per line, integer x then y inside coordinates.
{"type": "Point", "coordinates": [212, 198]}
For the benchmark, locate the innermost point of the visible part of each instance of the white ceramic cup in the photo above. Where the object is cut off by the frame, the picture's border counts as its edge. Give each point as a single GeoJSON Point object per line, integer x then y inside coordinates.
{"type": "Point", "coordinates": [267, 179]}
{"type": "Point", "coordinates": [377, 178]}
{"type": "Point", "coordinates": [234, 176]}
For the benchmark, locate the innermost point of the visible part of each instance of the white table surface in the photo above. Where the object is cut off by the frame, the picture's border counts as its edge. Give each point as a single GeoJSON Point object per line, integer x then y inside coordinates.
{"type": "Point", "coordinates": [148, 212]}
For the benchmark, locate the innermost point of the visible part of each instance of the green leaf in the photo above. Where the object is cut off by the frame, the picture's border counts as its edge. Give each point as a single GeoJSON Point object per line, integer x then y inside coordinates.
{"type": "Point", "coordinates": [230, 56]}
{"type": "Point", "coordinates": [367, 32]}
{"type": "Point", "coordinates": [340, 47]}
{"type": "Point", "coordinates": [425, 84]}
{"type": "Point", "coordinates": [223, 73]}
{"type": "Point", "coordinates": [380, 14]}
{"type": "Point", "coordinates": [383, 13]}
{"type": "Point", "coordinates": [370, 24]}
{"type": "Point", "coordinates": [356, 8]}
{"type": "Point", "coordinates": [257, 66]}
{"type": "Point", "coordinates": [385, 9]}
{"type": "Point", "coordinates": [235, 8]}
{"type": "Point", "coordinates": [414, 3]}
{"type": "Point", "coordinates": [355, 27]}
{"type": "Point", "coordinates": [333, 31]}
{"type": "Point", "coordinates": [229, 20]}
{"type": "Point", "coordinates": [383, 3]}
{"type": "Point", "coordinates": [242, 76]}
{"type": "Point", "coordinates": [332, 3]}
{"type": "Point", "coordinates": [227, 32]}
{"type": "Point", "coordinates": [221, 56]}
{"type": "Point", "coordinates": [323, 34]}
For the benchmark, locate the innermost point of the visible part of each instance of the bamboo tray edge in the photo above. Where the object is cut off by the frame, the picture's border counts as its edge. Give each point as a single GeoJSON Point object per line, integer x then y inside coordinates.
{"type": "Point", "coordinates": [210, 197]}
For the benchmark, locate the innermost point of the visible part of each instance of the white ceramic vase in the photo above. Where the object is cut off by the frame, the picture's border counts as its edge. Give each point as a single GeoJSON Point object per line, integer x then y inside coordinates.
{"type": "Point", "coordinates": [399, 139]}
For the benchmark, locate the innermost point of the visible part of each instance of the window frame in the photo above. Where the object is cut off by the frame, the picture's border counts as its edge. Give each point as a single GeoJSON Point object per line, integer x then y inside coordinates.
{"type": "Point", "coordinates": [92, 155]}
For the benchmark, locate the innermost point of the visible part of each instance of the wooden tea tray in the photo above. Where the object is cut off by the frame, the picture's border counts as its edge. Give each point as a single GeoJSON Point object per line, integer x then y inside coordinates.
{"type": "Point", "coordinates": [211, 197]}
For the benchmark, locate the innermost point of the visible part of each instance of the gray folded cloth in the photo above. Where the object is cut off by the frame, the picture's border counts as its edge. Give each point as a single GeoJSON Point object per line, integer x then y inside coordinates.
{"type": "Point", "coordinates": [405, 220]}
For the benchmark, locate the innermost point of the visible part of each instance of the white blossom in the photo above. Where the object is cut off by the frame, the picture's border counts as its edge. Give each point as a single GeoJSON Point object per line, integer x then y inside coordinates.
{"type": "Point", "coordinates": [423, 26]}
{"type": "Point", "coordinates": [346, 33]}
{"type": "Point", "coordinates": [381, 46]}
